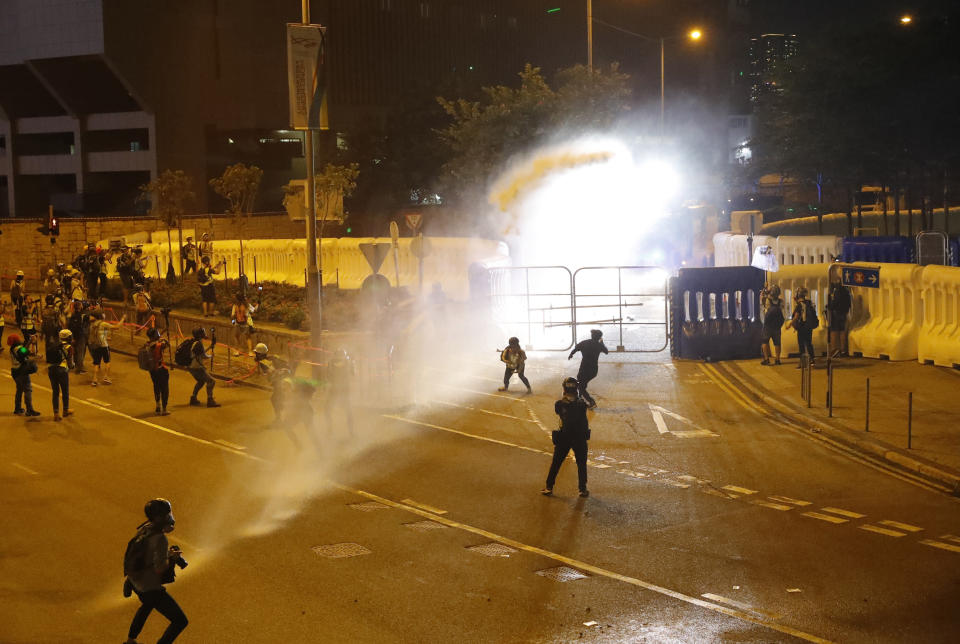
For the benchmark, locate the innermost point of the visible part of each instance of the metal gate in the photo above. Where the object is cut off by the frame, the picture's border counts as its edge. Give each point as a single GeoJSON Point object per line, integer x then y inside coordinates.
{"type": "Point", "coordinates": [549, 308]}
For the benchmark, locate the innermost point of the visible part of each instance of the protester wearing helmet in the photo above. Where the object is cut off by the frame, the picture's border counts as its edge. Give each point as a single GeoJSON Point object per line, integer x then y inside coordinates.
{"type": "Point", "coordinates": [18, 290]}
{"type": "Point", "coordinates": [515, 360]}
{"type": "Point", "coordinates": [159, 374]}
{"type": "Point", "coordinates": [60, 359]}
{"type": "Point", "coordinates": [198, 368]}
{"type": "Point", "coordinates": [22, 368]}
{"type": "Point", "coordinates": [573, 434]}
{"type": "Point", "coordinates": [148, 565]}
{"type": "Point", "coordinates": [590, 351]}
{"type": "Point", "coordinates": [804, 320]}
{"type": "Point", "coordinates": [275, 370]}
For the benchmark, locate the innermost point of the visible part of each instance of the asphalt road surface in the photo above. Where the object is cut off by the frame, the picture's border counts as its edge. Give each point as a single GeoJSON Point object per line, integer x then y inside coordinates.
{"type": "Point", "coordinates": [709, 520]}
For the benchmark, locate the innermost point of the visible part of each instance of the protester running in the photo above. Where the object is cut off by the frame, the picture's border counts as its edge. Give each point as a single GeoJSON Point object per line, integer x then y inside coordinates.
{"type": "Point", "coordinates": [515, 360]}
{"type": "Point", "coordinates": [590, 351]}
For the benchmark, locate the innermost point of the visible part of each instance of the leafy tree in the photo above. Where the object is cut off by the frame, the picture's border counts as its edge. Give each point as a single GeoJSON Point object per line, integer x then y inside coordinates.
{"type": "Point", "coordinates": [507, 121]}
{"type": "Point", "coordinates": [239, 185]}
{"type": "Point", "coordinates": [170, 195]}
{"type": "Point", "coordinates": [335, 183]}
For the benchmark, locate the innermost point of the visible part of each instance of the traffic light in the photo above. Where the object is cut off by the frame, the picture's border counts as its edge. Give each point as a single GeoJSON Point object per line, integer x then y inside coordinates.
{"type": "Point", "coordinates": [54, 226]}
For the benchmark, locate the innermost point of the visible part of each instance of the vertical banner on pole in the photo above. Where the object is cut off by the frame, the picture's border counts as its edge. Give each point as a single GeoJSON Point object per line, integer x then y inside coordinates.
{"type": "Point", "coordinates": [306, 77]}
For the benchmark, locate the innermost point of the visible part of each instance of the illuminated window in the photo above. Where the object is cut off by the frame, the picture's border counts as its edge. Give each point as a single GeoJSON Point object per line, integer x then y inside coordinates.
{"type": "Point", "coordinates": [424, 9]}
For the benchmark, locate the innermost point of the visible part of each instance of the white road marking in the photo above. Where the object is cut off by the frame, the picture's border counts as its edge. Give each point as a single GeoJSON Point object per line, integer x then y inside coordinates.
{"type": "Point", "coordinates": [424, 506]}
{"type": "Point", "coordinates": [825, 517]}
{"type": "Point", "coordinates": [775, 506]}
{"type": "Point", "coordinates": [659, 412]}
{"type": "Point", "coordinates": [25, 469]}
{"type": "Point", "coordinates": [941, 545]}
{"type": "Point", "coordinates": [100, 402]}
{"type": "Point", "coordinates": [228, 444]}
{"type": "Point", "coordinates": [740, 605]}
{"type": "Point", "coordinates": [900, 526]}
{"type": "Point", "coordinates": [844, 513]}
{"type": "Point", "coordinates": [787, 499]}
{"type": "Point", "coordinates": [950, 537]}
{"type": "Point", "coordinates": [596, 570]}
{"type": "Point", "coordinates": [879, 530]}
{"type": "Point", "coordinates": [481, 393]}
{"type": "Point", "coordinates": [738, 490]}
{"type": "Point", "coordinates": [481, 410]}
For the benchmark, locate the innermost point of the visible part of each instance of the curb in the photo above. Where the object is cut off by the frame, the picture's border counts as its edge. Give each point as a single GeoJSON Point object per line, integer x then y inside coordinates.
{"type": "Point", "coordinates": [843, 433]}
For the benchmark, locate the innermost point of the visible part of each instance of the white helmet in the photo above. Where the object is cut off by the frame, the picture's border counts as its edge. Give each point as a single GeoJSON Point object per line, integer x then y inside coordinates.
{"type": "Point", "coordinates": [261, 348]}
{"type": "Point", "coordinates": [66, 334]}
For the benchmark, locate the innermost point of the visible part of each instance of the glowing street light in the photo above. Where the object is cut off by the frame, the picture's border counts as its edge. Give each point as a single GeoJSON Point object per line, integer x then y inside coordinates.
{"type": "Point", "coordinates": [906, 19]}
{"type": "Point", "coordinates": [695, 34]}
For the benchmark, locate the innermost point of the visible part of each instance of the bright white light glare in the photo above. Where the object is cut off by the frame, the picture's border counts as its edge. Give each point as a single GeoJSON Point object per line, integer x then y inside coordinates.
{"type": "Point", "coordinates": [587, 203]}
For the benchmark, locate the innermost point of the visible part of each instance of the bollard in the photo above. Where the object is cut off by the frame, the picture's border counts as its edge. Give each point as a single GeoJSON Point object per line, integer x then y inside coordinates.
{"type": "Point", "coordinates": [255, 269]}
{"type": "Point", "coordinates": [809, 384]}
{"type": "Point", "coordinates": [829, 388]}
{"type": "Point", "coordinates": [910, 420]}
{"type": "Point", "coordinates": [866, 427]}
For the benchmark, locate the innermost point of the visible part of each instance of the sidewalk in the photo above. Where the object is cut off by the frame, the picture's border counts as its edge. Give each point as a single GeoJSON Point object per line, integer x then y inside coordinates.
{"type": "Point", "coordinates": [935, 451]}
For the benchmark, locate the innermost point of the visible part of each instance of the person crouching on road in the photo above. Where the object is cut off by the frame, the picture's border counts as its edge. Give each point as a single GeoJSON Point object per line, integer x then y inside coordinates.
{"type": "Point", "coordinates": [21, 370]}
{"type": "Point", "coordinates": [515, 360]}
{"type": "Point", "coordinates": [772, 306]}
{"type": "Point", "coordinates": [590, 351]}
{"type": "Point", "coordinates": [573, 434]}
{"type": "Point", "coordinates": [60, 357]}
{"type": "Point", "coordinates": [198, 368]}
{"type": "Point", "coordinates": [159, 374]}
{"type": "Point", "coordinates": [154, 570]}
{"type": "Point", "coordinates": [99, 342]}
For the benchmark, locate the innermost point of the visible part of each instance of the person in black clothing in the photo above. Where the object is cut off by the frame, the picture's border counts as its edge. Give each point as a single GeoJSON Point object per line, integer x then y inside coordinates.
{"type": "Point", "coordinates": [159, 375]}
{"type": "Point", "coordinates": [838, 307]}
{"type": "Point", "coordinates": [590, 351]}
{"type": "Point", "coordinates": [198, 369]}
{"type": "Point", "coordinates": [21, 370]}
{"type": "Point", "coordinates": [573, 434]}
{"type": "Point", "coordinates": [804, 320]}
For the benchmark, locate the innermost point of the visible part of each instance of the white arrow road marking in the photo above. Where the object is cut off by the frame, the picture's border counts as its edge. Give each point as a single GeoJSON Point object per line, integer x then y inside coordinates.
{"type": "Point", "coordinates": [659, 412]}
{"type": "Point", "coordinates": [25, 469]}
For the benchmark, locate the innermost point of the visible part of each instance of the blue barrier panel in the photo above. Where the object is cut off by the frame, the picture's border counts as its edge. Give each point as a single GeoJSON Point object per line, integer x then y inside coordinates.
{"type": "Point", "coordinates": [716, 313]}
{"type": "Point", "coordinates": [891, 250]}
{"type": "Point", "coordinates": [953, 250]}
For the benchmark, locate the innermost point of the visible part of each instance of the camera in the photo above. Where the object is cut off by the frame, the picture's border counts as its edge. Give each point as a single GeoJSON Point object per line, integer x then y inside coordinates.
{"type": "Point", "coordinates": [177, 558]}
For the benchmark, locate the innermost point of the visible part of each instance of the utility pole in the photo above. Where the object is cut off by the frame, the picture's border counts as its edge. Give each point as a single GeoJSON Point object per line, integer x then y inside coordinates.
{"type": "Point", "coordinates": [662, 85]}
{"type": "Point", "coordinates": [312, 282]}
{"type": "Point", "coordinates": [590, 35]}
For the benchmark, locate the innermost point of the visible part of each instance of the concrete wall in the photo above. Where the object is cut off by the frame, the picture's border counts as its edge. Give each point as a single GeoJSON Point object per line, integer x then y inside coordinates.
{"type": "Point", "coordinates": [23, 248]}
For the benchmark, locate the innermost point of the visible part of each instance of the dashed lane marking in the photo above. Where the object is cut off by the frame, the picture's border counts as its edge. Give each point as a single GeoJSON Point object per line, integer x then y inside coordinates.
{"type": "Point", "coordinates": [900, 526]}
{"type": "Point", "coordinates": [740, 605]}
{"type": "Point", "coordinates": [424, 506]}
{"type": "Point", "coordinates": [99, 402]}
{"type": "Point", "coordinates": [879, 530]}
{"type": "Point", "coordinates": [25, 469]}
{"type": "Point", "coordinates": [950, 537]}
{"type": "Point", "coordinates": [482, 411]}
{"type": "Point", "coordinates": [825, 517]}
{"type": "Point", "coordinates": [596, 570]}
{"type": "Point", "coordinates": [787, 499]}
{"type": "Point", "coordinates": [774, 506]}
{"type": "Point", "coordinates": [481, 393]}
{"type": "Point", "coordinates": [738, 490]}
{"type": "Point", "coordinates": [941, 545]}
{"type": "Point", "coordinates": [844, 513]}
{"type": "Point", "coordinates": [467, 434]}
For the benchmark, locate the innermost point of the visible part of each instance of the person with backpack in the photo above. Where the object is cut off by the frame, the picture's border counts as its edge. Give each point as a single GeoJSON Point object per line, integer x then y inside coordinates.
{"type": "Point", "coordinates": [149, 563]}
{"type": "Point", "coordinates": [241, 316]}
{"type": "Point", "coordinates": [590, 351]}
{"type": "Point", "coordinates": [192, 357]}
{"type": "Point", "coordinates": [23, 366]}
{"type": "Point", "coordinates": [29, 318]}
{"type": "Point", "coordinates": [125, 271]}
{"type": "Point", "coordinates": [51, 323]}
{"type": "Point", "coordinates": [60, 359]}
{"type": "Point", "coordinates": [772, 307]}
{"type": "Point", "coordinates": [150, 359]}
{"type": "Point", "coordinates": [515, 360]}
{"type": "Point", "coordinates": [208, 292]}
{"type": "Point", "coordinates": [573, 434]}
{"type": "Point", "coordinates": [143, 307]}
{"type": "Point", "coordinates": [79, 325]}
{"type": "Point", "coordinates": [98, 339]}
{"type": "Point", "coordinates": [18, 290]}
{"type": "Point", "coordinates": [804, 320]}
{"type": "Point", "coordinates": [838, 308]}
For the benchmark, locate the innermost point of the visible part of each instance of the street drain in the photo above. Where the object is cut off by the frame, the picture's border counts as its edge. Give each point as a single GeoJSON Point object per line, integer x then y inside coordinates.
{"type": "Point", "coordinates": [562, 573]}
{"type": "Point", "coordinates": [424, 526]}
{"type": "Point", "coordinates": [340, 550]}
{"type": "Point", "coordinates": [492, 549]}
{"type": "Point", "coordinates": [368, 506]}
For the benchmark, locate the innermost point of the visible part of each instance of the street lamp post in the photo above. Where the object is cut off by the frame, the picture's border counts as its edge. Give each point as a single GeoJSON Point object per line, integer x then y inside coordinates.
{"type": "Point", "coordinates": [590, 35]}
{"type": "Point", "coordinates": [312, 279]}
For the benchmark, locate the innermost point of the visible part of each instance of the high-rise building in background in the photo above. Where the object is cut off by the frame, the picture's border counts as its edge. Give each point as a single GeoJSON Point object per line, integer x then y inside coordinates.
{"type": "Point", "coordinates": [767, 53]}
{"type": "Point", "coordinates": [98, 96]}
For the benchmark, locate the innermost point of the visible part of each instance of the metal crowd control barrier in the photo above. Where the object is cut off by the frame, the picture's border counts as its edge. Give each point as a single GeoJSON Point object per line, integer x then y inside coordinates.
{"type": "Point", "coordinates": [535, 304]}
{"type": "Point", "coordinates": [717, 313]}
{"type": "Point", "coordinates": [630, 301]}
{"type": "Point", "coordinates": [932, 248]}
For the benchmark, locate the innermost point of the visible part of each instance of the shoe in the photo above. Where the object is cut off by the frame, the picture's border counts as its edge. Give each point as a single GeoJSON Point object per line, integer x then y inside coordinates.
{"type": "Point", "coordinates": [584, 493]}
{"type": "Point", "coordinates": [164, 413]}
{"type": "Point", "coordinates": [547, 491]}
{"type": "Point", "coordinates": [93, 383]}
{"type": "Point", "coordinates": [18, 412]}
{"type": "Point", "coordinates": [236, 354]}
{"type": "Point", "coordinates": [212, 403]}
{"type": "Point", "coordinates": [56, 415]}
{"type": "Point", "coordinates": [501, 388]}
{"type": "Point", "coordinates": [33, 412]}
{"type": "Point", "coordinates": [765, 362]}
{"type": "Point", "coordinates": [67, 412]}
{"type": "Point", "coordinates": [107, 381]}
{"type": "Point", "coordinates": [157, 410]}
{"type": "Point", "coordinates": [777, 361]}
{"type": "Point", "coordinates": [529, 391]}
{"type": "Point", "coordinates": [194, 402]}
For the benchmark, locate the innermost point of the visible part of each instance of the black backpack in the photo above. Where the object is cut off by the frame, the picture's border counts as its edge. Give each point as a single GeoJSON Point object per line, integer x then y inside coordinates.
{"type": "Point", "coordinates": [184, 353]}
{"type": "Point", "coordinates": [145, 358]}
{"type": "Point", "coordinates": [135, 556]}
{"type": "Point", "coordinates": [812, 320]}
{"type": "Point", "coordinates": [50, 326]}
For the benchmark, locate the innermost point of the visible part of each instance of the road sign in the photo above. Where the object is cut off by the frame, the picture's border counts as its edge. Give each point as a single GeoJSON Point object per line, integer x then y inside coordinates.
{"type": "Point", "coordinates": [413, 219]}
{"type": "Point", "coordinates": [866, 277]}
{"type": "Point", "coordinates": [394, 232]}
{"type": "Point", "coordinates": [375, 254]}
{"type": "Point", "coordinates": [420, 246]}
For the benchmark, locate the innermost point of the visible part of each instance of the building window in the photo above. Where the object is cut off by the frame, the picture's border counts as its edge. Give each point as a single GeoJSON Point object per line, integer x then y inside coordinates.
{"type": "Point", "coordinates": [738, 123]}
{"type": "Point", "coordinates": [424, 9]}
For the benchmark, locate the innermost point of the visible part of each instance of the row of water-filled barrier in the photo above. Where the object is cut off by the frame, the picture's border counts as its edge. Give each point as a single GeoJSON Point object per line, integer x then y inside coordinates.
{"type": "Point", "coordinates": [342, 261]}
{"type": "Point", "coordinates": [737, 250]}
{"type": "Point", "coordinates": [913, 315]}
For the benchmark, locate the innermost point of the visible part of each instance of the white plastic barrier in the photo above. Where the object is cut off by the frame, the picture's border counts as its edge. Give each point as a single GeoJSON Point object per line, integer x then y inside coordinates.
{"type": "Point", "coordinates": [939, 338]}
{"type": "Point", "coordinates": [820, 249]}
{"type": "Point", "coordinates": [816, 279]}
{"type": "Point", "coordinates": [732, 250]}
{"type": "Point", "coordinates": [895, 314]}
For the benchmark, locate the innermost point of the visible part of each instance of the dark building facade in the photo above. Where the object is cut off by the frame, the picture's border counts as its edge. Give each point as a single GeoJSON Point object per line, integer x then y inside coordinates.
{"type": "Point", "coordinates": [98, 96]}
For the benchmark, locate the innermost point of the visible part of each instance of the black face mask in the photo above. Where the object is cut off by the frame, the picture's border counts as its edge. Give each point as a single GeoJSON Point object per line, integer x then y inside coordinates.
{"type": "Point", "coordinates": [19, 278]}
